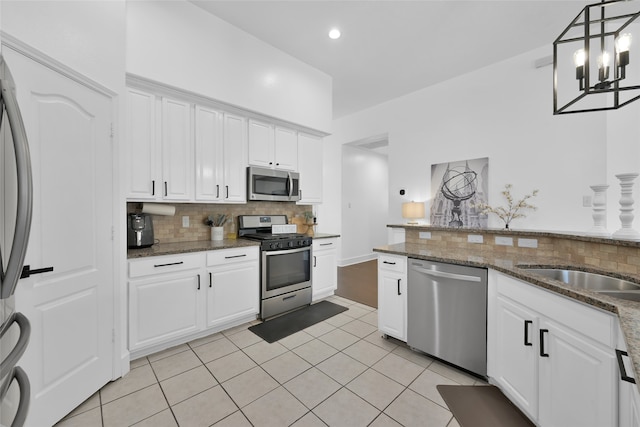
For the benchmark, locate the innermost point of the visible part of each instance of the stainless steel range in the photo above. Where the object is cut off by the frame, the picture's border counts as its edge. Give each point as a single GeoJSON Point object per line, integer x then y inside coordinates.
{"type": "Point", "coordinates": [285, 263]}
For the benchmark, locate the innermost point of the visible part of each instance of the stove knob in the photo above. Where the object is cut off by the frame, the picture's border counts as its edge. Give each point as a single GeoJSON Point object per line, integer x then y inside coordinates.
{"type": "Point", "coordinates": [274, 246]}
{"type": "Point", "coordinates": [291, 244]}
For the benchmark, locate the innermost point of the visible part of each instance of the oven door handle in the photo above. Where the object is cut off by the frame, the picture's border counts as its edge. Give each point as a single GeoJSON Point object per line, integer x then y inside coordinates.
{"type": "Point", "coordinates": [287, 251]}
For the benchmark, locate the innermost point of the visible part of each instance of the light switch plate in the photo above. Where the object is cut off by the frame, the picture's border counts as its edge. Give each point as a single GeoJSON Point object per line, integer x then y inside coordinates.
{"type": "Point", "coordinates": [185, 221]}
{"type": "Point", "coordinates": [425, 235]}
{"type": "Point", "coordinates": [504, 241]}
{"type": "Point", "coordinates": [474, 238]}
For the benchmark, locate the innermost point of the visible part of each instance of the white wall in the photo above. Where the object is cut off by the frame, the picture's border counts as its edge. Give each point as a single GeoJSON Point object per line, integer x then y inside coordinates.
{"type": "Point", "coordinates": [365, 182]}
{"type": "Point", "coordinates": [87, 36]}
{"type": "Point", "coordinates": [503, 112]}
{"type": "Point", "coordinates": [177, 43]}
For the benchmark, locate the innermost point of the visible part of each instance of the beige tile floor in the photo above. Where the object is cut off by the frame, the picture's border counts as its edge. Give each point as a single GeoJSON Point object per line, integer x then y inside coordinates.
{"type": "Point", "coordinates": [340, 372]}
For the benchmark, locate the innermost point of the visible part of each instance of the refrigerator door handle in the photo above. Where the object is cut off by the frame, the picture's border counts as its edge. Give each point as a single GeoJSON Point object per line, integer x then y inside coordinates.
{"type": "Point", "coordinates": [25, 394]}
{"type": "Point", "coordinates": [18, 350]}
{"type": "Point", "coordinates": [25, 186]}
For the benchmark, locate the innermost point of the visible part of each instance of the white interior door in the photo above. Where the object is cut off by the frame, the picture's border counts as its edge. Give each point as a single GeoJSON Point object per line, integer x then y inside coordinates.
{"type": "Point", "coordinates": [71, 308]}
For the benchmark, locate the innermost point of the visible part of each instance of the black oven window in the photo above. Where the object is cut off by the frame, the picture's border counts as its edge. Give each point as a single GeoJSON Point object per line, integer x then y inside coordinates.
{"type": "Point", "coordinates": [288, 269]}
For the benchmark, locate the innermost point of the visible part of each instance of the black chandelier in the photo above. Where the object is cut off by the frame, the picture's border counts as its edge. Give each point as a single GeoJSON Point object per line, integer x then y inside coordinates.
{"type": "Point", "coordinates": [600, 33]}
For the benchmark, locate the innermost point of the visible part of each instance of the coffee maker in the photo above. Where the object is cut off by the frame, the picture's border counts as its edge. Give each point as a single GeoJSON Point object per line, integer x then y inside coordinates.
{"type": "Point", "coordinates": [139, 230]}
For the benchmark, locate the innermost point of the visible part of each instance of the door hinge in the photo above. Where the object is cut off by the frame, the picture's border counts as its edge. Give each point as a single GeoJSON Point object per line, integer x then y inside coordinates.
{"type": "Point", "coordinates": [113, 232]}
{"type": "Point", "coordinates": [113, 336]}
{"type": "Point", "coordinates": [111, 131]}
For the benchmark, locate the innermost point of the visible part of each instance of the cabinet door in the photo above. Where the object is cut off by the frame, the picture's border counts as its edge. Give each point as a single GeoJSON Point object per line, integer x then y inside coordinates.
{"type": "Point", "coordinates": [235, 159]}
{"type": "Point", "coordinates": [325, 272]}
{"type": "Point", "coordinates": [310, 168]}
{"type": "Point", "coordinates": [516, 357]}
{"type": "Point", "coordinates": [578, 381]}
{"type": "Point", "coordinates": [233, 293]}
{"type": "Point", "coordinates": [177, 151]}
{"type": "Point", "coordinates": [286, 149]}
{"type": "Point", "coordinates": [208, 149]}
{"type": "Point", "coordinates": [261, 151]}
{"type": "Point", "coordinates": [142, 153]}
{"type": "Point", "coordinates": [163, 308]}
{"type": "Point", "coordinates": [392, 304]}
{"type": "Point", "coordinates": [628, 395]}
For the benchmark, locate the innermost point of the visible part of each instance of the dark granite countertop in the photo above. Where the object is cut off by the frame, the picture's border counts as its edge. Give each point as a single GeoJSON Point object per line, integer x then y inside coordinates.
{"type": "Point", "coordinates": [520, 232]}
{"type": "Point", "coordinates": [199, 246]}
{"type": "Point", "coordinates": [186, 247]}
{"type": "Point", "coordinates": [628, 312]}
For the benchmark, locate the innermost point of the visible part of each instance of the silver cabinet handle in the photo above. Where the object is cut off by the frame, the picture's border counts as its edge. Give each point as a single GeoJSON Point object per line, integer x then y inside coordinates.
{"type": "Point", "coordinates": [24, 209]}
{"type": "Point", "coordinates": [446, 275]}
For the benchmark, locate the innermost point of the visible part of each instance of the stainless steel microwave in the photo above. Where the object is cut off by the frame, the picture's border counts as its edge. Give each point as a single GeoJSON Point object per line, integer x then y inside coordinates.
{"type": "Point", "coordinates": [272, 185]}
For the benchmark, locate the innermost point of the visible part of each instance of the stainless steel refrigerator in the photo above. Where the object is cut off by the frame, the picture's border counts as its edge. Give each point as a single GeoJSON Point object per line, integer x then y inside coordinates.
{"type": "Point", "coordinates": [15, 222]}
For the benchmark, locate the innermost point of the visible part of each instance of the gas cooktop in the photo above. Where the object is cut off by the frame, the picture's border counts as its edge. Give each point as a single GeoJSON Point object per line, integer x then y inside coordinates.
{"type": "Point", "coordinates": [272, 236]}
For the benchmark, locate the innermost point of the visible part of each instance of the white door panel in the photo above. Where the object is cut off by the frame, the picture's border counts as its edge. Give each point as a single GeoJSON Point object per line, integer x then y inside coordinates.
{"type": "Point", "coordinates": [70, 309]}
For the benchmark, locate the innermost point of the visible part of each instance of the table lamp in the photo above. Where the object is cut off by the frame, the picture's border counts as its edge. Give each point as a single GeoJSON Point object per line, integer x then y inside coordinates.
{"type": "Point", "coordinates": [413, 211]}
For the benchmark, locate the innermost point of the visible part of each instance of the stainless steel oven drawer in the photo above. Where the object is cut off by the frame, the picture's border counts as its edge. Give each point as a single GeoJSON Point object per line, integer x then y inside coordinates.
{"type": "Point", "coordinates": [285, 302]}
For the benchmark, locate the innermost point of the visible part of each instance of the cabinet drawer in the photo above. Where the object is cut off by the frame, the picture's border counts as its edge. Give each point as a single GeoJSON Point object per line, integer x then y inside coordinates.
{"type": "Point", "coordinates": [580, 317]}
{"type": "Point", "coordinates": [392, 263]}
{"type": "Point", "coordinates": [164, 264]}
{"type": "Point", "coordinates": [229, 256]}
{"type": "Point", "coordinates": [324, 244]}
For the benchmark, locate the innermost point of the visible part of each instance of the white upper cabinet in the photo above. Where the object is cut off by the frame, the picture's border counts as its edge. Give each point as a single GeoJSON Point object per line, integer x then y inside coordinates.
{"type": "Point", "coordinates": [310, 167]}
{"type": "Point", "coordinates": [177, 150]}
{"type": "Point", "coordinates": [286, 149]}
{"type": "Point", "coordinates": [235, 155]}
{"type": "Point", "coordinates": [272, 147]}
{"type": "Point", "coordinates": [160, 143]}
{"type": "Point", "coordinates": [142, 151]}
{"type": "Point", "coordinates": [209, 161]}
{"type": "Point", "coordinates": [188, 150]}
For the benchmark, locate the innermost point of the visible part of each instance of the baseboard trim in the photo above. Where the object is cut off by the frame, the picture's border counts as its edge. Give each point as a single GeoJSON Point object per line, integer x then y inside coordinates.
{"type": "Point", "coordinates": [357, 260]}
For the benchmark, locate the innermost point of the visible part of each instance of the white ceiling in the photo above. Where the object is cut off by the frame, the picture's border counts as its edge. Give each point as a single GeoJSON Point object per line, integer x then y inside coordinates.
{"type": "Point", "coordinates": [392, 48]}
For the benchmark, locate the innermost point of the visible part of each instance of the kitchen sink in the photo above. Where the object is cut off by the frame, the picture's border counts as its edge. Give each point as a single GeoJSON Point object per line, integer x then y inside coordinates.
{"type": "Point", "coordinates": [606, 285]}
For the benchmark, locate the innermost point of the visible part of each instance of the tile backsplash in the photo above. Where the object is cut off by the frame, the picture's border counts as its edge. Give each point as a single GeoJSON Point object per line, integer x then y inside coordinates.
{"type": "Point", "coordinates": [169, 229]}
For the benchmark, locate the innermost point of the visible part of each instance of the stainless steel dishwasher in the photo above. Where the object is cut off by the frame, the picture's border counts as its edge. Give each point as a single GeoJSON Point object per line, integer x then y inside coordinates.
{"type": "Point", "coordinates": [447, 313]}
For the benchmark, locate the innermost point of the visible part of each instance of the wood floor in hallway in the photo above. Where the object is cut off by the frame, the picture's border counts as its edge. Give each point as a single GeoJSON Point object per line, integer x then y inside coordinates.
{"type": "Point", "coordinates": [359, 282]}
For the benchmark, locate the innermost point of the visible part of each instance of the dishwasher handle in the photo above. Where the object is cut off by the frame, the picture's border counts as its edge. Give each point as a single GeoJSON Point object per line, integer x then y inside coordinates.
{"type": "Point", "coordinates": [445, 275]}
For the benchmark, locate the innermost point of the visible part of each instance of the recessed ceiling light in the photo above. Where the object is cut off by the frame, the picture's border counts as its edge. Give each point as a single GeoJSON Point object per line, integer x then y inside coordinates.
{"type": "Point", "coordinates": [334, 33]}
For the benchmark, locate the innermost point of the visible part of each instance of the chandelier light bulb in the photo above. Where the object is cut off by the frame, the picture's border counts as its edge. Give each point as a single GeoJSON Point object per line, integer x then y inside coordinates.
{"type": "Point", "coordinates": [623, 42]}
{"type": "Point", "coordinates": [334, 34]}
{"type": "Point", "coordinates": [579, 57]}
{"type": "Point", "coordinates": [604, 59]}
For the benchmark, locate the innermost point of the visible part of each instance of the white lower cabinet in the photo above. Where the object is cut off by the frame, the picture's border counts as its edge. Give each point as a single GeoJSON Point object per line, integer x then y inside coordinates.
{"type": "Point", "coordinates": [553, 357]}
{"type": "Point", "coordinates": [175, 298]}
{"type": "Point", "coordinates": [628, 395]}
{"type": "Point", "coordinates": [233, 285]}
{"type": "Point", "coordinates": [164, 298]}
{"type": "Point", "coordinates": [325, 268]}
{"type": "Point", "coordinates": [392, 296]}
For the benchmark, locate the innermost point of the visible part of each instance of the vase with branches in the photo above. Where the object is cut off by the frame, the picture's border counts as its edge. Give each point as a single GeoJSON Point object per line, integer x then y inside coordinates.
{"type": "Point", "coordinates": [514, 208]}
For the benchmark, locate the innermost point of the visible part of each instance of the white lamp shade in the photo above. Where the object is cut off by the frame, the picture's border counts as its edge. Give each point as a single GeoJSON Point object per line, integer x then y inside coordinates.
{"type": "Point", "coordinates": [413, 210]}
